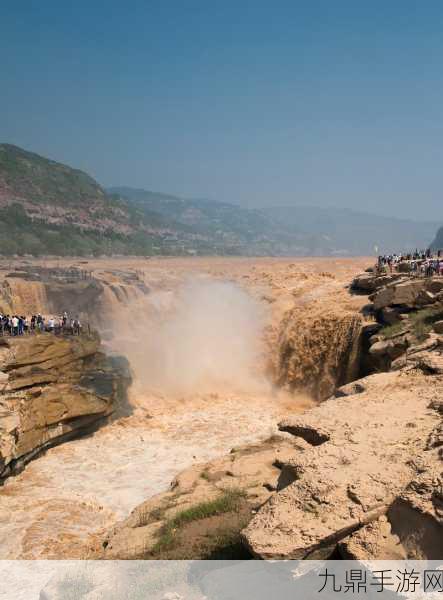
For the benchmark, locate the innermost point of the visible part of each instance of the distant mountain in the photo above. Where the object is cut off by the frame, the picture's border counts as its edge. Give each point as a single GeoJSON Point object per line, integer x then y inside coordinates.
{"type": "Point", "coordinates": [437, 243]}
{"type": "Point", "coordinates": [353, 232]}
{"type": "Point", "coordinates": [297, 230]}
{"type": "Point", "coordinates": [49, 208]}
{"type": "Point", "coordinates": [204, 216]}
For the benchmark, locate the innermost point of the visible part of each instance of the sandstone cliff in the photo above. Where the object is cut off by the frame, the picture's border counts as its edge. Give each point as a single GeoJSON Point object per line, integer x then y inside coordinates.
{"type": "Point", "coordinates": [52, 388]}
{"type": "Point", "coordinates": [93, 297]}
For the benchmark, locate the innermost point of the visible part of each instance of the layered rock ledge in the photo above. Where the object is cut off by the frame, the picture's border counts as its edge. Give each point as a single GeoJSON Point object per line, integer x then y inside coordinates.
{"type": "Point", "coordinates": [53, 388]}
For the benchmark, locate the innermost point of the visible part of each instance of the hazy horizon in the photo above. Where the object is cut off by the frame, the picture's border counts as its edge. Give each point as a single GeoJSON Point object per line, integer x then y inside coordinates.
{"type": "Point", "coordinates": [361, 211]}
{"type": "Point", "coordinates": [252, 104]}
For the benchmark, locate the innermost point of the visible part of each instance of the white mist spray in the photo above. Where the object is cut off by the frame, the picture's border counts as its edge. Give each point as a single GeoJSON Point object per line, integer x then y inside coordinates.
{"type": "Point", "coordinates": [205, 337]}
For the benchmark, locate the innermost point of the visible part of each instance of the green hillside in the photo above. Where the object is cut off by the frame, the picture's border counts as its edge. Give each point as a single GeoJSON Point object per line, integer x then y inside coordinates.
{"type": "Point", "coordinates": [49, 208]}
{"type": "Point", "coordinates": [32, 177]}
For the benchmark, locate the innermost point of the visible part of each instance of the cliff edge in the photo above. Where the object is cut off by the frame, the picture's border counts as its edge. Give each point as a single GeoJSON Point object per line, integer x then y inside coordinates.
{"type": "Point", "coordinates": [52, 388]}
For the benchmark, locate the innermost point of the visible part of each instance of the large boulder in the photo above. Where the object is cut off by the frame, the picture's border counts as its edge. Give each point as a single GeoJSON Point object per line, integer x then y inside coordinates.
{"type": "Point", "coordinates": [356, 475]}
{"type": "Point", "coordinates": [406, 293]}
{"type": "Point", "coordinates": [365, 282]}
{"type": "Point", "coordinates": [384, 297]}
{"type": "Point", "coordinates": [438, 327]}
{"type": "Point", "coordinates": [392, 348]}
{"type": "Point", "coordinates": [411, 293]}
{"type": "Point", "coordinates": [51, 389]}
{"type": "Point", "coordinates": [369, 282]}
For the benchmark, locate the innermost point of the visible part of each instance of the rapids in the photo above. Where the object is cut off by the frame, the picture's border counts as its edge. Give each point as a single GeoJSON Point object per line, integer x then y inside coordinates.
{"type": "Point", "coordinates": [66, 498]}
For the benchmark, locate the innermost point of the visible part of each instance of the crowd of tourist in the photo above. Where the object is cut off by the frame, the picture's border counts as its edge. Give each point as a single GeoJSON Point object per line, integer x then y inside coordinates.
{"type": "Point", "coordinates": [421, 263]}
{"type": "Point", "coordinates": [15, 325]}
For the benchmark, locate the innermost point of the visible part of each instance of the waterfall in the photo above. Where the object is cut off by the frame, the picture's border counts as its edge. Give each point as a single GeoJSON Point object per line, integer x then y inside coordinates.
{"type": "Point", "coordinates": [318, 352]}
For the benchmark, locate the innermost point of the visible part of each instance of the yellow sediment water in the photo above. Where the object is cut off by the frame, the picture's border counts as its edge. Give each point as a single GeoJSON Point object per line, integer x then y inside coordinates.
{"type": "Point", "coordinates": [79, 489]}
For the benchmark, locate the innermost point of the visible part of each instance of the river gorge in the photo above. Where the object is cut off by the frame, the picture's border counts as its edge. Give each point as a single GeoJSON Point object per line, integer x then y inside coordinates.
{"type": "Point", "coordinates": [230, 390]}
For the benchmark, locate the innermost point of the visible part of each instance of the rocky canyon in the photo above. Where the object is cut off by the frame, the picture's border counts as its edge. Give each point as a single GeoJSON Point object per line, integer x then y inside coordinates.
{"type": "Point", "coordinates": [273, 408]}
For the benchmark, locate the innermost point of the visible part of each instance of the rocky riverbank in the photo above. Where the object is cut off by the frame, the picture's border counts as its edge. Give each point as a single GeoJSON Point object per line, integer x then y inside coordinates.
{"type": "Point", "coordinates": [53, 388]}
{"type": "Point", "coordinates": [359, 476]}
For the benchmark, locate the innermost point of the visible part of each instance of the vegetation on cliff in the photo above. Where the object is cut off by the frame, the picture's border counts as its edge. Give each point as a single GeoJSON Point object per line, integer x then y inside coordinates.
{"type": "Point", "coordinates": [50, 208]}
{"type": "Point", "coordinates": [35, 178]}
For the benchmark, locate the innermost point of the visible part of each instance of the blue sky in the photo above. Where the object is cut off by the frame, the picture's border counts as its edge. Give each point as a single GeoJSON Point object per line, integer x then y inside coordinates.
{"type": "Point", "coordinates": [257, 103]}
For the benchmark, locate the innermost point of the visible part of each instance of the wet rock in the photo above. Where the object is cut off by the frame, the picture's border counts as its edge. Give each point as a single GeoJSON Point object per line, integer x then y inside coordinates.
{"type": "Point", "coordinates": [366, 282]}
{"type": "Point", "coordinates": [356, 387]}
{"type": "Point", "coordinates": [370, 329]}
{"type": "Point", "coordinates": [390, 315]}
{"type": "Point", "coordinates": [375, 338]}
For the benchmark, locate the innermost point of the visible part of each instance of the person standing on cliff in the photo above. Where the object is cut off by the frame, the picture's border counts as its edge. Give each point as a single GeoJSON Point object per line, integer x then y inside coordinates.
{"type": "Point", "coordinates": [77, 326]}
{"type": "Point", "coordinates": [14, 325]}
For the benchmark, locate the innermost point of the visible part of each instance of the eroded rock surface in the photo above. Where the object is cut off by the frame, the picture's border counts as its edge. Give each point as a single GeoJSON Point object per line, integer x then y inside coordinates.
{"type": "Point", "coordinates": [374, 541]}
{"type": "Point", "coordinates": [51, 389]}
{"type": "Point", "coordinates": [355, 476]}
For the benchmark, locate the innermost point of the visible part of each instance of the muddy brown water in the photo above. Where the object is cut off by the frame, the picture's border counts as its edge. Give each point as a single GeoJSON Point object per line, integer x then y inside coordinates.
{"type": "Point", "coordinates": [76, 491]}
